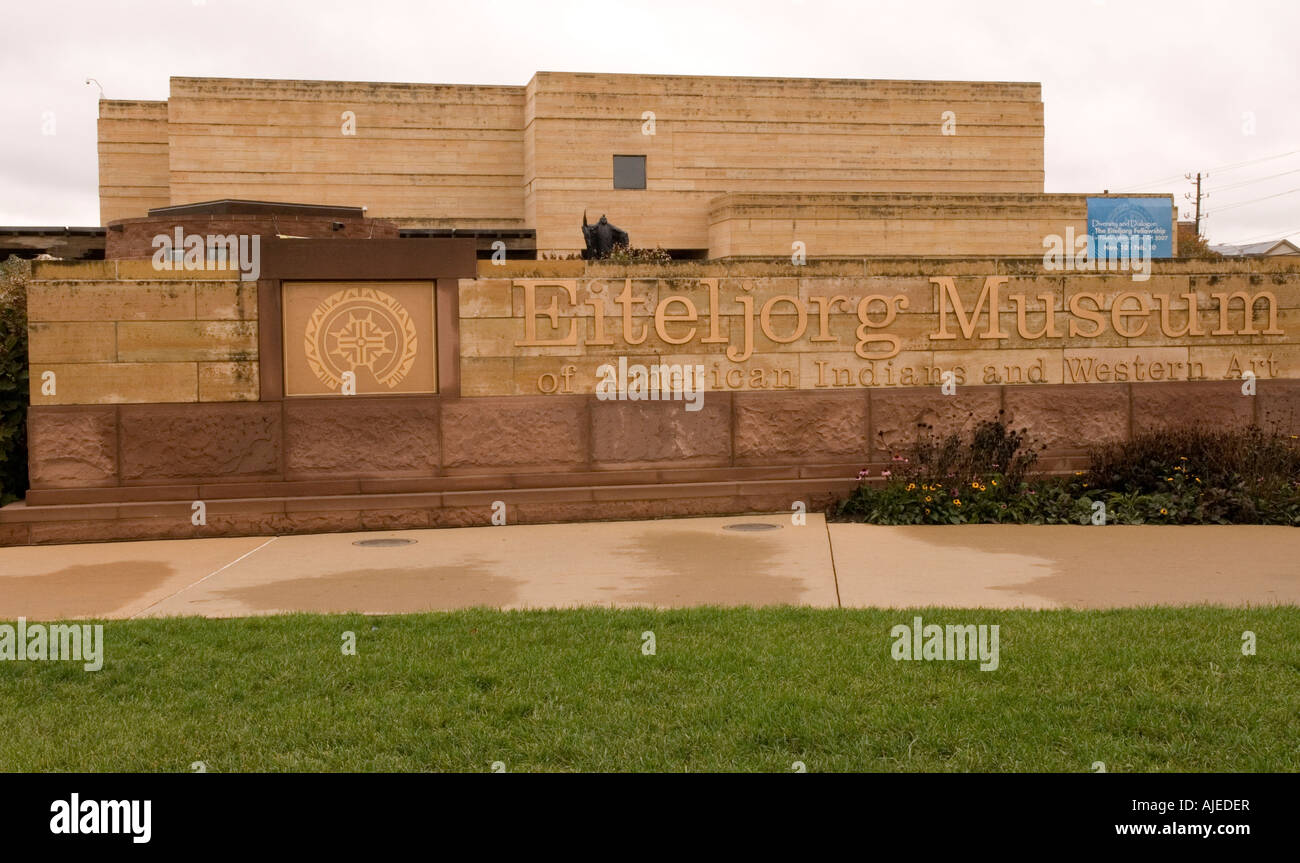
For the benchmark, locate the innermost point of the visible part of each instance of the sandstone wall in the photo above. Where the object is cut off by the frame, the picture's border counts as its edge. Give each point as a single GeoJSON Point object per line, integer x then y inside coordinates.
{"type": "Point", "coordinates": [158, 403]}
{"type": "Point", "coordinates": [714, 135]}
{"type": "Point", "coordinates": [879, 324]}
{"type": "Point", "coordinates": [538, 156]}
{"type": "Point", "coordinates": [892, 225]}
{"type": "Point", "coordinates": [436, 155]}
{"type": "Point", "coordinates": [121, 332]}
{"type": "Point", "coordinates": [133, 158]}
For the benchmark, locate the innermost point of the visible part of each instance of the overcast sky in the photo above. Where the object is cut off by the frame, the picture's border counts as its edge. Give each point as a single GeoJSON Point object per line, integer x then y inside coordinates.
{"type": "Point", "coordinates": [1136, 93]}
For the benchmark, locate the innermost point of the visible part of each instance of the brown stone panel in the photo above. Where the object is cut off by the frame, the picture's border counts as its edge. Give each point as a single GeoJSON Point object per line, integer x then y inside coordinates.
{"type": "Point", "coordinates": [651, 433]}
{"type": "Point", "coordinates": [200, 442]}
{"type": "Point", "coordinates": [245, 524]}
{"type": "Point", "coordinates": [799, 427]}
{"type": "Point", "coordinates": [395, 519]}
{"type": "Point", "coordinates": [368, 259]}
{"type": "Point", "coordinates": [896, 414]}
{"type": "Point", "coordinates": [14, 534]}
{"type": "Point", "coordinates": [527, 433]}
{"type": "Point", "coordinates": [1279, 405]}
{"type": "Point", "coordinates": [357, 437]}
{"type": "Point", "coordinates": [72, 447]}
{"type": "Point", "coordinates": [270, 340]}
{"type": "Point", "coordinates": [322, 522]}
{"type": "Point", "coordinates": [1208, 404]}
{"type": "Point", "coordinates": [547, 513]}
{"type": "Point", "coordinates": [465, 516]}
{"type": "Point", "coordinates": [1069, 416]}
{"type": "Point", "coordinates": [115, 494]}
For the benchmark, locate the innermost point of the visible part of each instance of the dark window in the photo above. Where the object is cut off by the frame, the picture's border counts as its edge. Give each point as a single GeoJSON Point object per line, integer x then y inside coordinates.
{"type": "Point", "coordinates": [629, 172]}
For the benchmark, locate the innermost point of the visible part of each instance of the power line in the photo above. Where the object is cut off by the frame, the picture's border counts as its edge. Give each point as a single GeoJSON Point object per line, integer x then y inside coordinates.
{"type": "Point", "coordinates": [1254, 161]}
{"type": "Point", "coordinates": [1229, 167]}
{"type": "Point", "coordinates": [1255, 200]}
{"type": "Point", "coordinates": [1269, 236]}
{"type": "Point", "coordinates": [1251, 182]}
{"type": "Point", "coordinates": [1150, 183]}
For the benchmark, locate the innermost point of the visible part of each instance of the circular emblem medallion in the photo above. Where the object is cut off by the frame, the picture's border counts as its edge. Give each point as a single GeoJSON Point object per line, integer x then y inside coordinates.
{"type": "Point", "coordinates": [360, 328]}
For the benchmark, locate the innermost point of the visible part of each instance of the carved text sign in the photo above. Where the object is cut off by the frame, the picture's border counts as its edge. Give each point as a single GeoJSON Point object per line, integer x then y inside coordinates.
{"type": "Point", "coordinates": [551, 335]}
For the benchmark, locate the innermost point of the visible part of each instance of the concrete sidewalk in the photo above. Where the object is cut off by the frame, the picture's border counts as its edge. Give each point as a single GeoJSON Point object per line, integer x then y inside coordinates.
{"type": "Point", "coordinates": [666, 563]}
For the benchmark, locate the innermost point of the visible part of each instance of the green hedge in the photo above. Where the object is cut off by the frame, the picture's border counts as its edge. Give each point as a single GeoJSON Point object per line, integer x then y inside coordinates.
{"type": "Point", "coordinates": [1178, 475]}
{"type": "Point", "coordinates": [14, 394]}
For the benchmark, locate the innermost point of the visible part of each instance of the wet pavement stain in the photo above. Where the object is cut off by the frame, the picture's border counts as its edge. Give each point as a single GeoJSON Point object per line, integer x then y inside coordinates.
{"type": "Point", "coordinates": [388, 591]}
{"type": "Point", "coordinates": [1134, 565]}
{"type": "Point", "coordinates": [742, 569]}
{"type": "Point", "coordinates": [86, 590]}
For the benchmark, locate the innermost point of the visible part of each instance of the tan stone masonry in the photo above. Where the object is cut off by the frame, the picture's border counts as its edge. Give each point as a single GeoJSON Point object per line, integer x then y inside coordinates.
{"type": "Point", "coordinates": [529, 334]}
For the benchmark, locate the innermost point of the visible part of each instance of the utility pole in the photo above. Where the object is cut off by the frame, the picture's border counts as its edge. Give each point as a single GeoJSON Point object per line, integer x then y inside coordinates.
{"type": "Point", "coordinates": [1198, 179]}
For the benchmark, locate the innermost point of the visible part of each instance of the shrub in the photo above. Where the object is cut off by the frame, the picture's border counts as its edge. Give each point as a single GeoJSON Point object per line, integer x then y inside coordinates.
{"type": "Point", "coordinates": [14, 395]}
{"type": "Point", "coordinates": [1183, 475]}
{"type": "Point", "coordinates": [623, 254]}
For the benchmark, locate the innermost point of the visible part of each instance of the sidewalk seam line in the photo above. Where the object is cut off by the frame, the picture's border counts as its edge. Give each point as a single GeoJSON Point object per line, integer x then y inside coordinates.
{"type": "Point", "coordinates": [204, 578]}
{"type": "Point", "coordinates": [835, 576]}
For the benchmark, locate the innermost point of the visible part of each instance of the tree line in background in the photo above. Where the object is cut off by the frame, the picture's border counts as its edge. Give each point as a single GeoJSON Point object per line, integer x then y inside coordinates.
{"type": "Point", "coordinates": [14, 393]}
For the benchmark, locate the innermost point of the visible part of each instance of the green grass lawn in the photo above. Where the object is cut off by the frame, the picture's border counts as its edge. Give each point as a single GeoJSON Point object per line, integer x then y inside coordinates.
{"type": "Point", "coordinates": [728, 689]}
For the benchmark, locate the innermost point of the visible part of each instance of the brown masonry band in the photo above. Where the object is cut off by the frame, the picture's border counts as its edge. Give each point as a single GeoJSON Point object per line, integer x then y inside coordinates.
{"type": "Point", "coordinates": [303, 465]}
{"type": "Point", "coordinates": [283, 465]}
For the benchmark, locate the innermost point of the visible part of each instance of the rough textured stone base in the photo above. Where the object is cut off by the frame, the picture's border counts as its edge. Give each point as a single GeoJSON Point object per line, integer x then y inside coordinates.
{"type": "Point", "coordinates": [312, 465]}
{"type": "Point", "coordinates": [273, 517]}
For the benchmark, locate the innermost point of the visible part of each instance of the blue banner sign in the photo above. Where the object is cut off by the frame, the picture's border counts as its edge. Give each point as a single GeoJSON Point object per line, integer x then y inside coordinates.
{"type": "Point", "coordinates": [1120, 227]}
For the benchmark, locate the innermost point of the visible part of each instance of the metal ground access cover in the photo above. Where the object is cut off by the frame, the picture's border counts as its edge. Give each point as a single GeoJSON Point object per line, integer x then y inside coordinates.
{"type": "Point", "coordinates": [383, 543]}
{"type": "Point", "coordinates": [752, 526]}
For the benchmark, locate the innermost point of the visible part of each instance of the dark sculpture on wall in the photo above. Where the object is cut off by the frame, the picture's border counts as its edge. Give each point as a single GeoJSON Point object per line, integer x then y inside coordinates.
{"type": "Point", "coordinates": [602, 237]}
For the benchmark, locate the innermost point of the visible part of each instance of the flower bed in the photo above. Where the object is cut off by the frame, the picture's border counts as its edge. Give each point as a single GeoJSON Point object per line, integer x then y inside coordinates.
{"type": "Point", "coordinates": [1169, 476]}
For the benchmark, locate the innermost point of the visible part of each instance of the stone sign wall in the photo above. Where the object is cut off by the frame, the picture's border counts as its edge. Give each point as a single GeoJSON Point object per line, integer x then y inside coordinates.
{"type": "Point", "coordinates": [172, 389]}
{"type": "Point", "coordinates": [827, 332]}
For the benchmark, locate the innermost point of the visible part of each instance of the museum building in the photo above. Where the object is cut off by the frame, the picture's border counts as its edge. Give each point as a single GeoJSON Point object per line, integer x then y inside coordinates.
{"type": "Point", "coordinates": [333, 306]}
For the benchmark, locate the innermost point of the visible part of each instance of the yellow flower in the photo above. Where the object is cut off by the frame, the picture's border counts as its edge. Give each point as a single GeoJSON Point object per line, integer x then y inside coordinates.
{"type": "Point", "coordinates": [995, 482]}
{"type": "Point", "coordinates": [956, 501]}
{"type": "Point", "coordinates": [911, 485]}
{"type": "Point", "coordinates": [974, 485]}
{"type": "Point", "coordinates": [1182, 458]}
{"type": "Point", "coordinates": [927, 500]}
{"type": "Point", "coordinates": [1164, 511]}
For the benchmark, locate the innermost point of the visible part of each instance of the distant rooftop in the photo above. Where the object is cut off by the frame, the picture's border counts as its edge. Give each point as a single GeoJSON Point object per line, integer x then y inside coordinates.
{"type": "Point", "coordinates": [1268, 248]}
{"type": "Point", "coordinates": [239, 207]}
